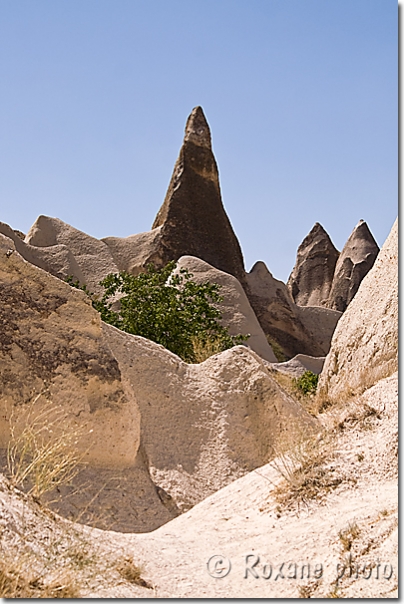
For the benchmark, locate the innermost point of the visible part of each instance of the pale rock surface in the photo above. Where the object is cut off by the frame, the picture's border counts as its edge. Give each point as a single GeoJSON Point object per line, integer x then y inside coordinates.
{"type": "Point", "coordinates": [355, 261]}
{"type": "Point", "coordinates": [244, 519]}
{"type": "Point", "coordinates": [306, 330]}
{"type": "Point", "coordinates": [92, 256]}
{"type": "Point", "coordinates": [196, 426]}
{"type": "Point", "coordinates": [206, 424]}
{"type": "Point", "coordinates": [55, 259]}
{"type": "Point", "coordinates": [320, 324]}
{"type": "Point", "coordinates": [310, 280]}
{"type": "Point", "coordinates": [237, 314]}
{"type": "Point", "coordinates": [52, 345]}
{"type": "Point", "coordinates": [132, 254]}
{"type": "Point", "coordinates": [301, 363]}
{"type": "Point", "coordinates": [365, 343]}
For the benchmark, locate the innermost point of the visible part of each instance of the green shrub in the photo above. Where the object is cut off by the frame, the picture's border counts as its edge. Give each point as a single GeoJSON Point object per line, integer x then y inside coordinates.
{"type": "Point", "coordinates": [307, 383]}
{"type": "Point", "coordinates": [168, 308]}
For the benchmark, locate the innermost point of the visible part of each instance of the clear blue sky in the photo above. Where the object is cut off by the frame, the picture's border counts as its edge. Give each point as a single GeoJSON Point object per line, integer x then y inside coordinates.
{"type": "Point", "coordinates": [301, 97]}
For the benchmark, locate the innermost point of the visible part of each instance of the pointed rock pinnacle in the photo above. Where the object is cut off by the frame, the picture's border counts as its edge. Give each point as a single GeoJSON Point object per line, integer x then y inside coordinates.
{"type": "Point", "coordinates": [192, 218]}
{"type": "Point", "coordinates": [356, 260]}
{"type": "Point", "coordinates": [311, 278]}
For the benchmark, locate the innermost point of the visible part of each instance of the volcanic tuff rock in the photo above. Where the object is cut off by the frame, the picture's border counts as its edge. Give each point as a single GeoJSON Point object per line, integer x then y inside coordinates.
{"type": "Point", "coordinates": [92, 255]}
{"type": "Point", "coordinates": [355, 261]}
{"type": "Point", "coordinates": [237, 314]}
{"type": "Point", "coordinates": [364, 345]}
{"type": "Point", "coordinates": [204, 425]}
{"type": "Point", "coordinates": [52, 345]}
{"type": "Point", "coordinates": [197, 427]}
{"type": "Point", "coordinates": [192, 220]}
{"type": "Point", "coordinates": [311, 278]}
{"type": "Point", "coordinates": [297, 329]}
{"type": "Point", "coordinates": [55, 259]}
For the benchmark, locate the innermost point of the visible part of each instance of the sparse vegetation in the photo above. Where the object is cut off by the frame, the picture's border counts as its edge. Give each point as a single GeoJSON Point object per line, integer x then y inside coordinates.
{"type": "Point", "coordinates": [334, 592]}
{"type": "Point", "coordinates": [17, 582]}
{"type": "Point", "coordinates": [42, 451]}
{"type": "Point", "coordinates": [348, 536]}
{"type": "Point", "coordinates": [204, 348]}
{"type": "Point", "coordinates": [167, 308]}
{"type": "Point", "coordinates": [305, 471]}
{"type": "Point", "coordinates": [277, 349]}
{"type": "Point", "coordinates": [307, 591]}
{"type": "Point", "coordinates": [287, 382]}
{"type": "Point", "coordinates": [132, 573]}
{"type": "Point", "coordinates": [307, 383]}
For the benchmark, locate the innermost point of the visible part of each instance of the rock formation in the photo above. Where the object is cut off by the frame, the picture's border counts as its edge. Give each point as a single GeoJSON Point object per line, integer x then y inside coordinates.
{"type": "Point", "coordinates": [206, 424]}
{"type": "Point", "coordinates": [365, 343]}
{"type": "Point", "coordinates": [237, 314]}
{"type": "Point", "coordinates": [52, 346]}
{"type": "Point", "coordinates": [92, 255]}
{"type": "Point", "coordinates": [307, 330]}
{"type": "Point", "coordinates": [310, 280]}
{"type": "Point", "coordinates": [355, 261]}
{"type": "Point", "coordinates": [193, 427]}
{"type": "Point", "coordinates": [192, 220]}
{"type": "Point", "coordinates": [301, 363]}
{"type": "Point", "coordinates": [55, 259]}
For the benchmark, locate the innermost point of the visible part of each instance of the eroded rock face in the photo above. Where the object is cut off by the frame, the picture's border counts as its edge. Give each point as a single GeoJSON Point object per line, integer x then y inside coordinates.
{"type": "Point", "coordinates": [306, 330]}
{"type": "Point", "coordinates": [355, 261]}
{"type": "Point", "coordinates": [51, 342]}
{"type": "Point", "coordinates": [53, 353]}
{"type": "Point", "coordinates": [158, 435]}
{"type": "Point", "coordinates": [237, 314]}
{"type": "Point", "coordinates": [365, 344]}
{"type": "Point", "coordinates": [55, 259]}
{"type": "Point", "coordinates": [311, 278]}
{"type": "Point", "coordinates": [192, 220]}
{"type": "Point", "coordinates": [92, 256]}
{"type": "Point", "coordinates": [206, 424]}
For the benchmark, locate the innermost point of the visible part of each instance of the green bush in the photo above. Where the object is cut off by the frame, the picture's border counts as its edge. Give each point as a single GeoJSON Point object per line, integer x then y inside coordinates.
{"type": "Point", "coordinates": [172, 310]}
{"type": "Point", "coordinates": [307, 383]}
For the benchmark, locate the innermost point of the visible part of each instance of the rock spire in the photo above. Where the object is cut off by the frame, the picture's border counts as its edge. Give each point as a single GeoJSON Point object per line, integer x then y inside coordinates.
{"type": "Point", "coordinates": [356, 260]}
{"type": "Point", "coordinates": [311, 278]}
{"type": "Point", "coordinates": [192, 218]}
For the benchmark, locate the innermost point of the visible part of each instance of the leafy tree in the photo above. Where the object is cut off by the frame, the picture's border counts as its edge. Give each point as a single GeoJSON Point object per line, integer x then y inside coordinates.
{"type": "Point", "coordinates": [170, 309]}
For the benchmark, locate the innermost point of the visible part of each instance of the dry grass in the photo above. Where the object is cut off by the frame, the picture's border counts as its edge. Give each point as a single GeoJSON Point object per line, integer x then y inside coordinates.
{"type": "Point", "coordinates": [307, 591]}
{"type": "Point", "coordinates": [356, 415]}
{"type": "Point", "coordinates": [132, 573]}
{"type": "Point", "coordinates": [42, 452]}
{"type": "Point", "coordinates": [348, 536]}
{"type": "Point", "coordinates": [305, 469]}
{"type": "Point", "coordinates": [205, 348]}
{"type": "Point", "coordinates": [277, 349]}
{"type": "Point", "coordinates": [16, 582]}
{"type": "Point", "coordinates": [287, 383]}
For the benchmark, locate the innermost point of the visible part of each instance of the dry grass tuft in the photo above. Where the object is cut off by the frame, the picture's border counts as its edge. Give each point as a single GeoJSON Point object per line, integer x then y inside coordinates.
{"type": "Point", "coordinates": [306, 471]}
{"type": "Point", "coordinates": [307, 591]}
{"type": "Point", "coordinates": [132, 573]}
{"type": "Point", "coordinates": [277, 349]}
{"type": "Point", "coordinates": [16, 583]}
{"type": "Point", "coordinates": [42, 452]}
{"type": "Point", "coordinates": [205, 348]}
{"type": "Point", "coordinates": [285, 381]}
{"type": "Point", "coordinates": [348, 536]}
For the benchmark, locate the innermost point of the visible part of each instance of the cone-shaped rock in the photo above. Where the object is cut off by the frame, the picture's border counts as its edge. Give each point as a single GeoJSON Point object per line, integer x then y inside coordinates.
{"type": "Point", "coordinates": [356, 260]}
{"type": "Point", "coordinates": [192, 218]}
{"type": "Point", "coordinates": [311, 278]}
